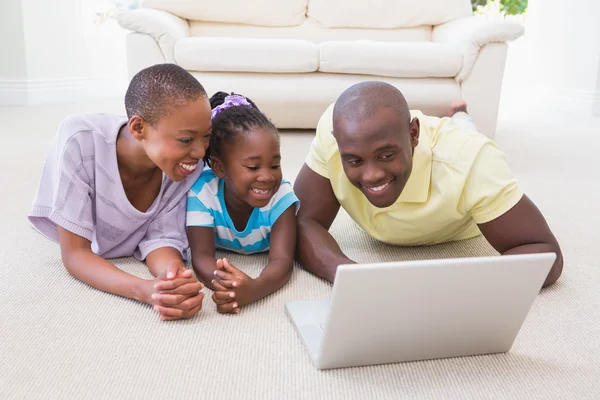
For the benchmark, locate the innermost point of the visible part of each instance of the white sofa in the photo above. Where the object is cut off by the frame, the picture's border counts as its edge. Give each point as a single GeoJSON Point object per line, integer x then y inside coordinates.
{"type": "Point", "coordinates": [294, 57]}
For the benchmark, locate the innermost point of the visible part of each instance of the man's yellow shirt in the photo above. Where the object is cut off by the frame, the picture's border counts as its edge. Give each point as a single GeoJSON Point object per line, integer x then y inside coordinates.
{"type": "Point", "coordinates": [459, 179]}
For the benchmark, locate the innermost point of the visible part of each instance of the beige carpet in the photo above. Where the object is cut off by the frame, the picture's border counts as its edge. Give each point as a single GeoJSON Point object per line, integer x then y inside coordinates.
{"type": "Point", "coordinates": [62, 339]}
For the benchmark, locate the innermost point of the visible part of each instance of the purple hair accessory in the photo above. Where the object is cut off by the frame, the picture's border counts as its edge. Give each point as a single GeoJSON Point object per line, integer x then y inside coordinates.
{"type": "Point", "coordinates": [234, 100]}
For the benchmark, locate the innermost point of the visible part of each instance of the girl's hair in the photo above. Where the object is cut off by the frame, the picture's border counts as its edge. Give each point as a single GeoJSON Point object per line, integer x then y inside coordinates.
{"type": "Point", "coordinates": [233, 121]}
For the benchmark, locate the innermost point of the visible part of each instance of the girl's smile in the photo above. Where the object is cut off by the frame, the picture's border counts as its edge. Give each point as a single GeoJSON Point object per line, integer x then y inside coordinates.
{"type": "Point", "coordinates": [251, 168]}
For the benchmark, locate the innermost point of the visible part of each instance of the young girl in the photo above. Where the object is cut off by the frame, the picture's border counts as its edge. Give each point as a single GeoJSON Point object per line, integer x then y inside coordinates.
{"type": "Point", "coordinates": [116, 187]}
{"type": "Point", "coordinates": [241, 204]}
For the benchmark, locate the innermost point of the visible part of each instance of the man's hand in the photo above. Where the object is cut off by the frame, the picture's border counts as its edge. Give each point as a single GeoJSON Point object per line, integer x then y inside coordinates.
{"type": "Point", "coordinates": [176, 293]}
{"type": "Point", "coordinates": [233, 288]}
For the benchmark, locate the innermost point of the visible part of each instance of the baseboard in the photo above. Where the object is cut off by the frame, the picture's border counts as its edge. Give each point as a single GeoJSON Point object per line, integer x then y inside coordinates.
{"type": "Point", "coordinates": [43, 91]}
{"type": "Point", "coordinates": [13, 93]}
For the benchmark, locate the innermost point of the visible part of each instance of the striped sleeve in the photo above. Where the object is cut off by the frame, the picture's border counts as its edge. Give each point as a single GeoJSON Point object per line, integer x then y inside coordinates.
{"type": "Point", "coordinates": [202, 201]}
{"type": "Point", "coordinates": [199, 210]}
{"type": "Point", "coordinates": [283, 199]}
{"type": "Point", "coordinates": [197, 213]}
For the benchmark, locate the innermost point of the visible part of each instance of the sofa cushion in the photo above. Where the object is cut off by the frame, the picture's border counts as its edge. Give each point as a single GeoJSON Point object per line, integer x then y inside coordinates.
{"type": "Point", "coordinates": [399, 60]}
{"type": "Point", "coordinates": [309, 31]}
{"type": "Point", "coordinates": [255, 12]}
{"type": "Point", "coordinates": [386, 13]}
{"type": "Point", "coordinates": [247, 55]}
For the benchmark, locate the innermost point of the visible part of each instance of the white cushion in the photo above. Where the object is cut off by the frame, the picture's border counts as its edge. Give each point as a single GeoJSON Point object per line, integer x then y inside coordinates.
{"type": "Point", "coordinates": [247, 55]}
{"type": "Point", "coordinates": [386, 13]}
{"type": "Point", "coordinates": [399, 60]}
{"type": "Point", "coordinates": [297, 101]}
{"type": "Point", "coordinates": [253, 12]}
{"type": "Point", "coordinates": [309, 31]}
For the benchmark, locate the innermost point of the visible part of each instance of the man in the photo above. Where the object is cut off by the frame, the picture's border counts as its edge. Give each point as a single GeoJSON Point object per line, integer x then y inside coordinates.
{"type": "Point", "coordinates": [409, 179]}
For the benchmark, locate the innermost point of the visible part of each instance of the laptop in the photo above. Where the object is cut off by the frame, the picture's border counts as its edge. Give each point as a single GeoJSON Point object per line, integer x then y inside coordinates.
{"type": "Point", "coordinates": [420, 310]}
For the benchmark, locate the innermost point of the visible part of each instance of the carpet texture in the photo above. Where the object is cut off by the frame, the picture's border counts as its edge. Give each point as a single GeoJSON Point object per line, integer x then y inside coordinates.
{"type": "Point", "coordinates": [60, 339]}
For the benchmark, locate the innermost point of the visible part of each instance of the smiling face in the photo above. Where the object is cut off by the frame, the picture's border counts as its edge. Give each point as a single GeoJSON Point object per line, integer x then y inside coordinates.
{"type": "Point", "coordinates": [376, 153]}
{"type": "Point", "coordinates": [178, 141]}
{"type": "Point", "coordinates": [251, 167]}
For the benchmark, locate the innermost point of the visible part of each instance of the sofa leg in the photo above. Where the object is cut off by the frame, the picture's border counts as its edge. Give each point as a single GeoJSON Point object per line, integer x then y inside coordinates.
{"type": "Point", "coordinates": [481, 89]}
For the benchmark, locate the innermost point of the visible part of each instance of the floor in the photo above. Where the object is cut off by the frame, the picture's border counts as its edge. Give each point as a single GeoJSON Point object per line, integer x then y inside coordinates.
{"type": "Point", "coordinates": [61, 339]}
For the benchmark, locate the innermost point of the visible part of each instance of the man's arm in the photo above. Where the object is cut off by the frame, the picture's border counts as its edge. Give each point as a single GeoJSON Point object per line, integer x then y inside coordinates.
{"type": "Point", "coordinates": [316, 249]}
{"type": "Point", "coordinates": [523, 230]}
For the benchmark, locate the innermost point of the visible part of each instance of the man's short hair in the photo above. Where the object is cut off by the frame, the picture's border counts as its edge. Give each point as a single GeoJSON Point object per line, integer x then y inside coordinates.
{"type": "Point", "coordinates": [362, 100]}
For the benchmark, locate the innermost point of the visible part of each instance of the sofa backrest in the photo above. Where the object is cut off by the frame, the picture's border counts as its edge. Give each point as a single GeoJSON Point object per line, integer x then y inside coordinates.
{"type": "Point", "coordinates": [385, 13]}
{"type": "Point", "coordinates": [251, 12]}
{"type": "Point", "coordinates": [373, 14]}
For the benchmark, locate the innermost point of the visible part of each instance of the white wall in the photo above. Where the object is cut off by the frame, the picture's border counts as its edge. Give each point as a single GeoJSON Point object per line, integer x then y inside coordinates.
{"type": "Point", "coordinates": [564, 44]}
{"type": "Point", "coordinates": [55, 53]}
{"type": "Point", "coordinates": [596, 106]}
{"type": "Point", "coordinates": [53, 39]}
{"type": "Point", "coordinates": [13, 66]}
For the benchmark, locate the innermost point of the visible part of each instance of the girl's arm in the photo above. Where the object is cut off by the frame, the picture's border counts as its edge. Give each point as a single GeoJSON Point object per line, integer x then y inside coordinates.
{"type": "Point", "coordinates": [281, 256]}
{"type": "Point", "coordinates": [202, 245]}
{"type": "Point", "coordinates": [235, 288]}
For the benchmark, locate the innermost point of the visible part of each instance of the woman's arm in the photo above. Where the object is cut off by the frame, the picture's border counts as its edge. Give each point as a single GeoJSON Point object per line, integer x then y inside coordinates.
{"type": "Point", "coordinates": [166, 261]}
{"type": "Point", "coordinates": [90, 268]}
{"type": "Point", "coordinates": [184, 301]}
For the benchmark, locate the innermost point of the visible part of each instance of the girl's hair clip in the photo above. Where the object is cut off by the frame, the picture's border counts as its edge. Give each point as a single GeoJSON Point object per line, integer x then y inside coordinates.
{"type": "Point", "coordinates": [235, 100]}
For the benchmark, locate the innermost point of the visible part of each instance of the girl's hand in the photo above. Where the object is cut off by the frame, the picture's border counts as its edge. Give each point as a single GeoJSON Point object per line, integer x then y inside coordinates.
{"type": "Point", "coordinates": [233, 288]}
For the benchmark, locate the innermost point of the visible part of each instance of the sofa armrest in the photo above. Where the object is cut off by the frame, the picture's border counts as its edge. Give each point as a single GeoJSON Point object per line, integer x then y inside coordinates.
{"type": "Point", "coordinates": [470, 34]}
{"type": "Point", "coordinates": [164, 27]}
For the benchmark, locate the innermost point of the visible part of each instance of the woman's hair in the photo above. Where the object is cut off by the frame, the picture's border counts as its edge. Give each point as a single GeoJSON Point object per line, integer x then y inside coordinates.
{"type": "Point", "coordinates": [154, 90]}
{"type": "Point", "coordinates": [232, 118]}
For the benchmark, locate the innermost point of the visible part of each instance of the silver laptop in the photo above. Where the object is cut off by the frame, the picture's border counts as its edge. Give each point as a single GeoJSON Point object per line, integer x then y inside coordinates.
{"type": "Point", "coordinates": [420, 310]}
